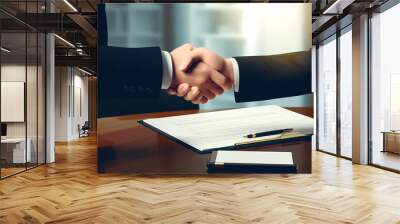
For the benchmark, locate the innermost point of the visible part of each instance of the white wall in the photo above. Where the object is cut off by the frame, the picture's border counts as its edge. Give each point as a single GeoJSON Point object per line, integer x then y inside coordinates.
{"type": "Point", "coordinates": [82, 82]}
{"type": "Point", "coordinates": [14, 72]}
{"type": "Point", "coordinates": [79, 117]}
{"type": "Point", "coordinates": [17, 72]}
{"type": "Point", "coordinates": [62, 82]}
{"type": "Point", "coordinates": [70, 83]}
{"type": "Point", "coordinates": [13, 101]}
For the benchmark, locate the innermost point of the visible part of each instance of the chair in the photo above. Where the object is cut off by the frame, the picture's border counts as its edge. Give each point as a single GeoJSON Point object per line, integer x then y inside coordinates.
{"type": "Point", "coordinates": [84, 130]}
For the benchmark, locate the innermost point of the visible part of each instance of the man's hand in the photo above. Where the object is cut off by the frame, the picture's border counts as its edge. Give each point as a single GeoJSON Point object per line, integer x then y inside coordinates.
{"type": "Point", "coordinates": [195, 75]}
{"type": "Point", "coordinates": [198, 56]}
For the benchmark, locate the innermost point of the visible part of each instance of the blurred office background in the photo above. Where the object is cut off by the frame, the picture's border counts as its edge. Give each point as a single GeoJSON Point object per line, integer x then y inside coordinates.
{"type": "Point", "coordinates": [227, 29]}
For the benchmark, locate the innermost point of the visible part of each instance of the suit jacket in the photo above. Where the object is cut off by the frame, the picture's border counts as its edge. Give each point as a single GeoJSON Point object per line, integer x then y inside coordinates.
{"type": "Point", "coordinates": [137, 73]}
{"type": "Point", "coordinates": [129, 74]}
{"type": "Point", "coordinates": [126, 74]}
{"type": "Point", "coordinates": [274, 76]}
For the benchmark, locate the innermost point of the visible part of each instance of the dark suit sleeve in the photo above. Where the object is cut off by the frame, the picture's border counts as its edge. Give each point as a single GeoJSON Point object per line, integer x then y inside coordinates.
{"type": "Point", "coordinates": [274, 76]}
{"type": "Point", "coordinates": [128, 73]}
{"type": "Point", "coordinates": [124, 74]}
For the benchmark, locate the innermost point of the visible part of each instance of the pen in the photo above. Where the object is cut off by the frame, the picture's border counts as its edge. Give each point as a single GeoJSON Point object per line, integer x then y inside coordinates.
{"type": "Point", "coordinates": [267, 133]}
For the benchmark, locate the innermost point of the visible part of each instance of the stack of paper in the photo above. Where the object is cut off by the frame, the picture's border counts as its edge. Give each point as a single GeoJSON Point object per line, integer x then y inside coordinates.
{"type": "Point", "coordinates": [223, 129]}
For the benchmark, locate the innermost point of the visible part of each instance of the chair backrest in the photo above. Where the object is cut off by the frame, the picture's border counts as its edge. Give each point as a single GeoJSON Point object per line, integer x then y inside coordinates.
{"type": "Point", "coordinates": [86, 125]}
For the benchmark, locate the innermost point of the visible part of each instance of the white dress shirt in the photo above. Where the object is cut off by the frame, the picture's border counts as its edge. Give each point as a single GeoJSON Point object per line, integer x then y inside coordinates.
{"type": "Point", "coordinates": [167, 71]}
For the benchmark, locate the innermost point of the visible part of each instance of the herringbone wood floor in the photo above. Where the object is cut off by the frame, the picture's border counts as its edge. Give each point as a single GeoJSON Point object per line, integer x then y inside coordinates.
{"type": "Point", "coordinates": [71, 191]}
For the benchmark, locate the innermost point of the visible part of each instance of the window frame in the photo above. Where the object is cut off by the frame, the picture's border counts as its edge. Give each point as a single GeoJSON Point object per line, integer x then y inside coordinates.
{"type": "Point", "coordinates": [333, 37]}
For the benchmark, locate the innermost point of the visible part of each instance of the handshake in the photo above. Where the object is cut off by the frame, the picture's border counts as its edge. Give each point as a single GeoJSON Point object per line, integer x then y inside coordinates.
{"type": "Point", "coordinates": [199, 75]}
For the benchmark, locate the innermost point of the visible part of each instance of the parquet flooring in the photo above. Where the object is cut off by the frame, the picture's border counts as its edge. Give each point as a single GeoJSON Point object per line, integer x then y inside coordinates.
{"type": "Point", "coordinates": [71, 191]}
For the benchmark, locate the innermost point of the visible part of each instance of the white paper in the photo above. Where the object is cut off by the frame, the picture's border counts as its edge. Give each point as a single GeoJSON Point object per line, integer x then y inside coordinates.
{"type": "Point", "coordinates": [254, 157]}
{"type": "Point", "coordinates": [214, 130]}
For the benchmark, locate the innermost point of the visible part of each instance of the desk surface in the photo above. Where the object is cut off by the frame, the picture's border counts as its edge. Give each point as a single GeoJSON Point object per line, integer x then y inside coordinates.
{"type": "Point", "coordinates": [391, 132]}
{"type": "Point", "coordinates": [13, 140]}
{"type": "Point", "coordinates": [126, 146]}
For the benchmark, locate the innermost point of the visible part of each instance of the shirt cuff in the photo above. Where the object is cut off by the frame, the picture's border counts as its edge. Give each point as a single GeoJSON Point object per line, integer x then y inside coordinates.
{"type": "Point", "coordinates": [167, 70]}
{"type": "Point", "coordinates": [235, 67]}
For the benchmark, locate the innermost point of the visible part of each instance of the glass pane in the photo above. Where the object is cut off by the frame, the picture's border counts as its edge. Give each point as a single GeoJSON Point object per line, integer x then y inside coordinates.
{"type": "Point", "coordinates": [346, 94]}
{"type": "Point", "coordinates": [31, 98]}
{"type": "Point", "coordinates": [385, 89]}
{"type": "Point", "coordinates": [327, 96]}
{"type": "Point", "coordinates": [13, 86]}
{"type": "Point", "coordinates": [41, 98]}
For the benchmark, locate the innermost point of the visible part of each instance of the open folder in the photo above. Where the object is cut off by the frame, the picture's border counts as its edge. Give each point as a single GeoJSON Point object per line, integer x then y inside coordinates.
{"type": "Point", "coordinates": [204, 132]}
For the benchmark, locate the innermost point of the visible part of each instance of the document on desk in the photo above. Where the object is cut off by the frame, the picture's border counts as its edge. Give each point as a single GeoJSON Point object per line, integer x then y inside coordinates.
{"type": "Point", "coordinates": [224, 129]}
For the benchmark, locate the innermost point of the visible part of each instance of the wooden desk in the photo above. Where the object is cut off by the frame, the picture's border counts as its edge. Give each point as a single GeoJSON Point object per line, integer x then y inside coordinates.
{"type": "Point", "coordinates": [124, 146]}
{"type": "Point", "coordinates": [15, 152]}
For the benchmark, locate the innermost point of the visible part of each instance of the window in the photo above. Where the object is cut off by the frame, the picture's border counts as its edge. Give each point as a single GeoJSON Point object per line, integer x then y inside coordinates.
{"type": "Point", "coordinates": [346, 92]}
{"type": "Point", "coordinates": [385, 89]}
{"type": "Point", "coordinates": [334, 106]}
{"type": "Point", "coordinates": [327, 96]}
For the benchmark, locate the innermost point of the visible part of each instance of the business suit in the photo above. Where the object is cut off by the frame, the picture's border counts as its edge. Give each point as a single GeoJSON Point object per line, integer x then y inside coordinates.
{"type": "Point", "coordinates": [274, 76]}
{"type": "Point", "coordinates": [136, 73]}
